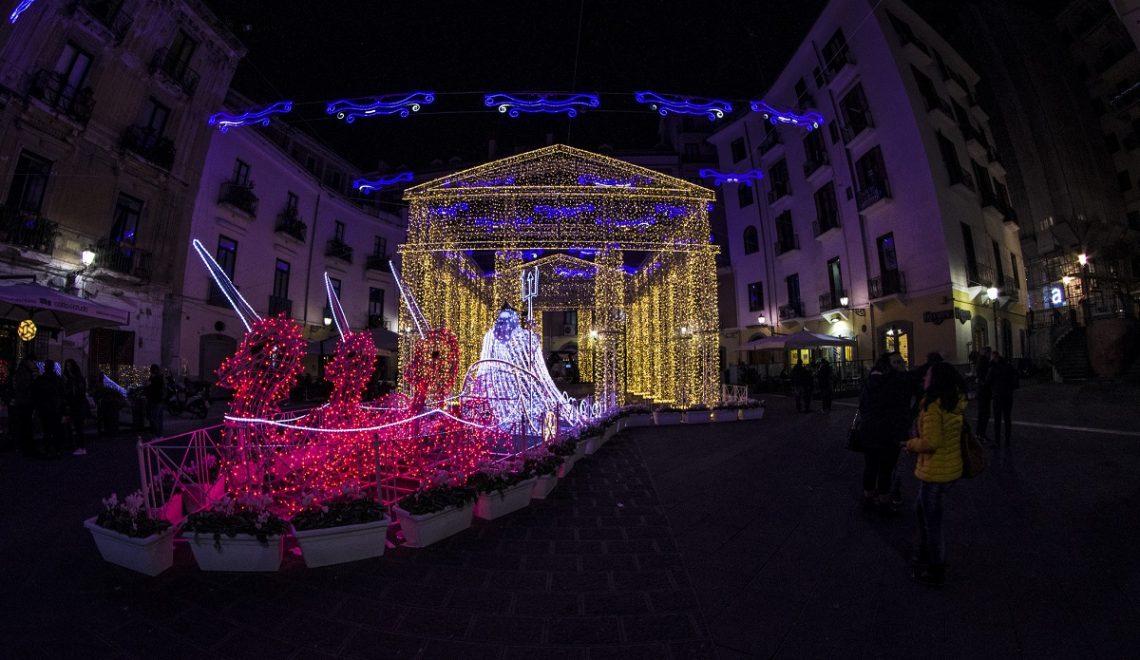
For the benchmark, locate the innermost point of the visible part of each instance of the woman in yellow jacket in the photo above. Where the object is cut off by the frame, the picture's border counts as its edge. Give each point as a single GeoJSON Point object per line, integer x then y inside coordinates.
{"type": "Point", "coordinates": [939, 450]}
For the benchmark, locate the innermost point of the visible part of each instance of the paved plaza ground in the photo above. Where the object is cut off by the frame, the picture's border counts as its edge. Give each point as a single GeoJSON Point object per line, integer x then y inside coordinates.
{"type": "Point", "coordinates": [740, 540]}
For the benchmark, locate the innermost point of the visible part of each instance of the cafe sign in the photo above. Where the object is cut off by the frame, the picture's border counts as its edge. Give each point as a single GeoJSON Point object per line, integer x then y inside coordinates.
{"type": "Point", "coordinates": [941, 315]}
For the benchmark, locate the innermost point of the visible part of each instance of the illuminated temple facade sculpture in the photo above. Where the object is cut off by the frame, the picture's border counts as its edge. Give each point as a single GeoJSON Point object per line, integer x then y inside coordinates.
{"type": "Point", "coordinates": [627, 247]}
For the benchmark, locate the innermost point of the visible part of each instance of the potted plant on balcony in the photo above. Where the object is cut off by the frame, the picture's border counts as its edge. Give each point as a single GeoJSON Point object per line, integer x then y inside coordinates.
{"type": "Point", "coordinates": [435, 513]}
{"type": "Point", "coordinates": [127, 536]}
{"type": "Point", "coordinates": [349, 527]}
{"type": "Point", "coordinates": [236, 534]}
{"type": "Point", "coordinates": [503, 487]}
{"type": "Point", "coordinates": [543, 465]}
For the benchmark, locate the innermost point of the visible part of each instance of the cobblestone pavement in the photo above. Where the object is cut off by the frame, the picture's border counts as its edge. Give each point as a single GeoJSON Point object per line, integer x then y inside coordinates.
{"type": "Point", "coordinates": [740, 540]}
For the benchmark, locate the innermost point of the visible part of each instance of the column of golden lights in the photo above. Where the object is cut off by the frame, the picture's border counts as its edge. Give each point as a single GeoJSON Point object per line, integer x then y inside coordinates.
{"type": "Point", "coordinates": [586, 344]}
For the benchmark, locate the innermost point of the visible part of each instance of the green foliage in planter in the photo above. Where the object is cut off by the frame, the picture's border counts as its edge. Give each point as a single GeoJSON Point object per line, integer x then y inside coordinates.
{"type": "Point", "coordinates": [129, 517]}
{"type": "Point", "coordinates": [338, 513]}
{"type": "Point", "coordinates": [437, 499]}
{"type": "Point", "coordinates": [497, 480]}
{"type": "Point", "coordinates": [232, 516]}
{"type": "Point", "coordinates": [542, 465]}
{"type": "Point", "coordinates": [750, 403]}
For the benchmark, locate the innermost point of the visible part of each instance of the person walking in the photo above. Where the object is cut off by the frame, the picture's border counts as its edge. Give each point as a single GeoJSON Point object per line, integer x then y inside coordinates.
{"type": "Point", "coordinates": [801, 384]}
{"type": "Point", "coordinates": [75, 403]}
{"type": "Point", "coordinates": [155, 398]}
{"type": "Point", "coordinates": [1003, 381]}
{"type": "Point", "coordinates": [939, 449]}
{"type": "Point", "coordinates": [49, 398]}
{"type": "Point", "coordinates": [824, 379]}
{"type": "Point", "coordinates": [884, 409]}
{"type": "Point", "coordinates": [22, 408]}
{"type": "Point", "coordinates": [985, 393]}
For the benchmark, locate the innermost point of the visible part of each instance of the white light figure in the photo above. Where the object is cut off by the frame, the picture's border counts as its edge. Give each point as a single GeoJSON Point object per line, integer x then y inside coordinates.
{"type": "Point", "coordinates": [516, 381]}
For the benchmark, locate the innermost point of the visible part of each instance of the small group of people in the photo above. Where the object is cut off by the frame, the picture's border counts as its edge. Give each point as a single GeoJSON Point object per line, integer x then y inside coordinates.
{"type": "Point", "coordinates": [997, 379]}
{"type": "Point", "coordinates": [57, 399]}
{"type": "Point", "coordinates": [922, 412]}
{"type": "Point", "coordinates": [805, 379]}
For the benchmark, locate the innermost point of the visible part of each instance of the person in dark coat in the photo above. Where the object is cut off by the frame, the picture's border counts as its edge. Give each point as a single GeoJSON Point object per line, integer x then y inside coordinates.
{"type": "Point", "coordinates": [824, 377]}
{"type": "Point", "coordinates": [155, 397]}
{"type": "Point", "coordinates": [885, 413]}
{"type": "Point", "coordinates": [22, 408]}
{"type": "Point", "coordinates": [1002, 380]}
{"type": "Point", "coordinates": [49, 397]}
{"type": "Point", "coordinates": [801, 383]}
{"type": "Point", "coordinates": [75, 402]}
{"type": "Point", "coordinates": [985, 393]}
{"type": "Point", "coordinates": [108, 402]}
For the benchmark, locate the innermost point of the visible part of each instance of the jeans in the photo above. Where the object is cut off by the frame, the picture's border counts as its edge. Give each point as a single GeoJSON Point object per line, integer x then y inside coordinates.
{"type": "Point", "coordinates": [879, 465]}
{"type": "Point", "coordinates": [928, 507]}
{"type": "Point", "coordinates": [1003, 410]}
{"type": "Point", "coordinates": [803, 394]}
{"type": "Point", "coordinates": [985, 396]}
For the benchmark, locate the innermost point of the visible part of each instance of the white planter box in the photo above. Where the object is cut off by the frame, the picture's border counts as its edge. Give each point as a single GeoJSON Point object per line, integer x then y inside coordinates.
{"type": "Point", "coordinates": [337, 545]}
{"type": "Point", "coordinates": [567, 465]}
{"type": "Point", "coordinates": [620, 426]}
{"type": "Point", "coordinates": [543, 485]}
{"type": "Point", "coordinates": [667, 418]}
{"type": "Point", "coordinates": [240, 553]}
{"type": "Point", "coordinates": [198, 496]}
{"type": "Point", "coordinates": [593, 444]}
{"type": "Point", "coordinates": [753, 413]}
{"type": "Point", "coordinates": [494, 505]}
{"type": "Point", "coordinates": [421, 530]}
{"type": "Point", "coordinates": [727, 415]}
{"type": "Point", "coordinates": [609, 432]}
{"type": "Point", "coordinates": [150, 555]}
{"type": "Point", "coordinates": [639, 419]}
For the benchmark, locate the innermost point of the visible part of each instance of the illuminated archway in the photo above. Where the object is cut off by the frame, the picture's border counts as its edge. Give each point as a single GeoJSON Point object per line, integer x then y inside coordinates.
{"type": "Point", "coordinates": [627, 246]}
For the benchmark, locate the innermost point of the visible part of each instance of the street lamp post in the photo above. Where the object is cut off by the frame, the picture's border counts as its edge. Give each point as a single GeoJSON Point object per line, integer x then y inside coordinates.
{"type": "Point", "coordinates": [992, 294]}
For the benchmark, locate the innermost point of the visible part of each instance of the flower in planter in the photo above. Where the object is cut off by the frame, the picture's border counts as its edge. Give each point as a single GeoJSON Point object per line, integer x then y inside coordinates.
{"type": "Point", "coordinates": [162, 484]}
{"type": "Point", "coordinates": [564, 448]}
{"type": "Point", "coordinates": [540, 462]}
{"type": "Point", "coordinates": [129, 517]}
{"type": "Point", "coordinates": [746, 404]}
{"type": "Point", "coordinates": [353, 506]}
{"type": "Point", "coordinates": [209, 469]}
{"type": "Point", "coordinates": [437, 498]}
{"type": "Point", "coordinates": [498, 476]}
{"type": "Point", "coordinates": [233, 515]}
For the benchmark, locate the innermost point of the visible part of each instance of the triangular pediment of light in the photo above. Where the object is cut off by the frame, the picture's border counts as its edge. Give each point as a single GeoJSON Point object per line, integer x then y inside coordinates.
{"type": "Point", "coordinates": [569, 169]}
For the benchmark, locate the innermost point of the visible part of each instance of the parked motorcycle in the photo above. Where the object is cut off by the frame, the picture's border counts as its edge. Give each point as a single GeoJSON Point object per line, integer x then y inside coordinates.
{"type": "Point", "coordinates": [198, 399]}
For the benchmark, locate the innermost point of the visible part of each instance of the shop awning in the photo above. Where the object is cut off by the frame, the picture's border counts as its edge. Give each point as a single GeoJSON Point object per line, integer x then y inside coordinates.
{"type": "Point", "coordinates": [54, 309]}
{"type": "Point", "coordinates": [796, 340]}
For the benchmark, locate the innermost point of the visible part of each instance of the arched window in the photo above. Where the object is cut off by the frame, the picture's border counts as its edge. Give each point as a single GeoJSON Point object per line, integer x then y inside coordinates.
{"type": "Point", "coordinates": [751, 241]}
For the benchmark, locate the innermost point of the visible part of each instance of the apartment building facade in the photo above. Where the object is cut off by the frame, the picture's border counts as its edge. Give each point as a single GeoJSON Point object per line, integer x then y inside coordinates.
{"type": "Point", "coordinates": [277, 210]}
{"type": "Point", "coordinates": [890, 224]}
{"type": "Point", "coordinates": [102, 141]}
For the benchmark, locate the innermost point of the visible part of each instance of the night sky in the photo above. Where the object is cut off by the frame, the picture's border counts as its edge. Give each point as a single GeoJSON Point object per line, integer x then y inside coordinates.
{"type": "Point", "coordinates": [313, 52]}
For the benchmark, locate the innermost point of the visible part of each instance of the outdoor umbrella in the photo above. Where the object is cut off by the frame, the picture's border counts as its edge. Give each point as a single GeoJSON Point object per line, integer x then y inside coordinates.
{"type": "Point", "coordinates": [54, 309]}
{"type": "Point", "coordinates": [801, 339]}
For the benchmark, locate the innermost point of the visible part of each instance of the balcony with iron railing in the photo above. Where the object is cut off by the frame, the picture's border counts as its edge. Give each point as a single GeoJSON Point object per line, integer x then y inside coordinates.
{"type": "Point", "coordinates": [858, 122]}
{"type": "Point", "coordinates": [779, 190]}
{"type": "Point", "coordinates": [771, 139]}
{"type": "Point", "coordinates": [792, 310]}
{"type": "Point", "coordinates": [149, 145]}
{"type": "Point", "coordinates": [831, 300]}
{"type": "Point", "coordinates": [28, 230]}
{"type": "Point", "coordinates": [872, 193]}
{"type": "Point", "coordinates": [839, 60]}
{"type": "Point", "coordinates": [338, 249]}
{"type": "Point", "coordinates": [814, 163]}
{"type": "Point", "coordinates": [980, 274]}
{"type": "Point", "coordinates": [171, 67]}
{"type": "Point", "coordinates": [787, 242]}
{"type": "Point", "coordinates": [915, 47]}
{"type": "Point", "coordinates": [240, 196]}
{"type": "Point", "coordinates": [377, 322]}
{"type": "Point", "coordinates": [939, 109]}
{"type": "Point", "coordinates": [289, 223]}
{"type": "Point", "coordinates": [960, 177]}
{"type": "Point", "coordinates": [51, 88]}
{"type": "Point", "coordinates": [108, 14]}
{"type": "Point", "coordinates": [888, 283]}
{"type": "Point", "coordinates": [278, 304]}
{"type": "Point", "coordinates": [123, 257]}
{"type": "Point", "coordinates": [825, 223]}
{"type": "Point", "coordinates": [377, 262]}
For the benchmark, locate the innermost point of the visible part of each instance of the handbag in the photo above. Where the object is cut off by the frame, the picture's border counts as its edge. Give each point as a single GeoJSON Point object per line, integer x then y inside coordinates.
{"type": "Point", "coordinates": [855, 435]}
{"type": "Point", "coordinates": [973, 455]}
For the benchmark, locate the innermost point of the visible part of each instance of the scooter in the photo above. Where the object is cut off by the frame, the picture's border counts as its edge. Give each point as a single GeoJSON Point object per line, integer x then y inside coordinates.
{"type": "Point", "coordinates": [198, 402]}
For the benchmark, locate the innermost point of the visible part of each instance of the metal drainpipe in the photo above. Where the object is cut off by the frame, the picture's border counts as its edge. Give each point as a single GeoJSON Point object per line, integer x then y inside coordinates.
{"type": "Point", "coordinates": [862, 220]}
